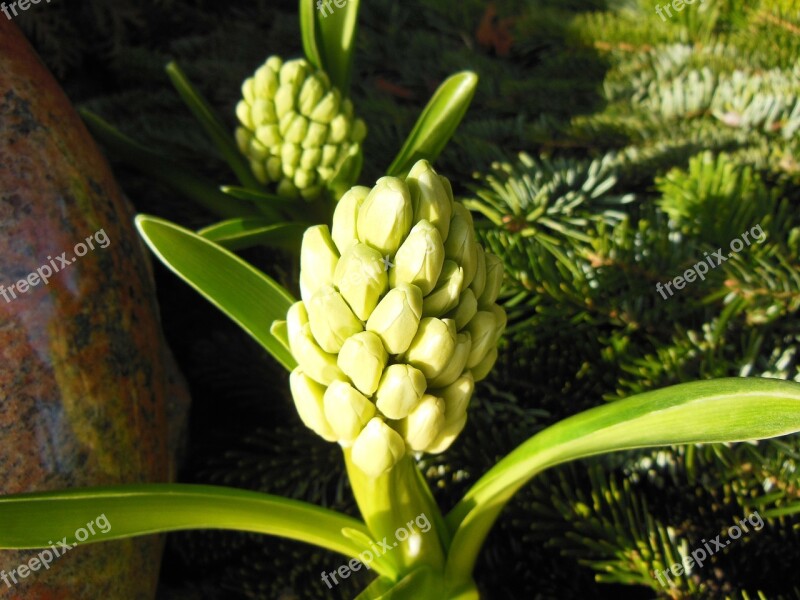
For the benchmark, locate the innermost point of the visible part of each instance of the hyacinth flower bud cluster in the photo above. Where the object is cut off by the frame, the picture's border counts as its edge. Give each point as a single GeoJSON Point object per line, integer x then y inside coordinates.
{"type": "Point", "coordinates": [295, 128]}
{"type": "Point", "coordinates": [397, 321]}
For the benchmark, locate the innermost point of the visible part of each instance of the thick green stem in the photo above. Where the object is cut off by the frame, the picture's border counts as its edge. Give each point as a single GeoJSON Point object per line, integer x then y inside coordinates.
{"type": "Point", "coordinates": [400, 499]}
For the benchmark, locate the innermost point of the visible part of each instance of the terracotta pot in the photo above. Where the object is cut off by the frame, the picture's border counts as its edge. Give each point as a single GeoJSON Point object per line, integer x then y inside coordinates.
{"type": "Point", "coordinates": [86, 381]}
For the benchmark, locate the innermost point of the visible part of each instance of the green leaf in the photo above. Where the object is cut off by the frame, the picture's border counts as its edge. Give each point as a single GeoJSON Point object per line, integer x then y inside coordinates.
{"type": "Point", "coordinates": [421, 582]}
{"type": "Point", "coordinates": [245, 232]}
{"type": "Point", "coordinates": [258, 196]}
{"type": "Point", "coordinates": [437, 123]}
{"type": "Point", "coordinates": [213, 125]}
{"type": "Point", "coordinates": [722, 410]}
{"type": "Point", "coordinates": [308, 32]}
{"type": "Point", "coordinates": [329, 34]}
{"type": "Point", "coordinates": [248, 296]}
{"type": "Point", "coordinates": [32, 520]}
{"type": "Point", "coordinates": [198, 189]}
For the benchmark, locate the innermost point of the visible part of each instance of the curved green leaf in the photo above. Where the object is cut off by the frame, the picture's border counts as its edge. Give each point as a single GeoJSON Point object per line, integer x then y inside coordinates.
{"type": "Point", "coordinates": [722, 410]}
{"type": "Point", "coordinates": [218, 133]}
{"type": "Point", "coordinates": [258, 196]}
{"type": "Point", "coordinates": [198, 189]}
{"type": "Point", "coordinates": [421, 582]}
{"type": "Point", "coordinates": [245, 232]}
{"type": "Point", "coordinates": [33, 520]}
{"type": "Point", "coordinates": [329, 32]}
{"type": "Point", "coordinates": [248, 296]}
{"type": "Point", "coordinates": [437, 123]}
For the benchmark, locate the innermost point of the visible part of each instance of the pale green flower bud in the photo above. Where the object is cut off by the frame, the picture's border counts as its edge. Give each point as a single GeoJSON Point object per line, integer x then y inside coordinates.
{"type": "Point", "coordinates": [384, 218]}
{"type": "Point", "coordinates": [274, 63]}
{"type": "Point", "coordinates": [494, 280]}
{"type": "Point", "coordinates": [269, 135]}
{"type": "Point", "coordinates": [448, 188]}
{"type": "Point", "coordinates": [483, 368]}
{"type": "Point", "coordinates": [482, 328]}
{"type": "Point", "coordinates": [297, 132]}
{"type": "Point", "coordinates": [455, 367]}
{"type": "Point", "coordinates": [315, 362]}
{"type": "Point", "coordinates": [431, 200]}
{"type": "Point", "coordinates": [318, 260]}
{"type": "Point", "coordinates": [328, 107]}
{"type": "Point", "coordinates": [358, 132]}
{"type": "Point", "coordinates": [340, 129]}
{"type": "Point", "coordinates": [456, 398]}
{"type": "Point", "coordinates": [347, 410]}
{"type": "Point", "coordinates": [433, 346]}
{"type": "Point", "coordinates": [310, 95]}
{"type": "Point", "coordinates": [290, 107]}
{"type": "Point", "coordinates": [316, 137]}
{"type": "Point", "coordinates": [445, 295]}
{"type": "Point", "coordinates": [465, 310]}
{"type": "Point", "coordinates": [345, 217]}
{"type": "Point", "coordinates": [412, 335]}
{"type": "Point", "coordinates": [331, 320]}
{"type": "Point", "coordinates": [500, 319]}
{"type": "Point", "coordinates": [421, 428]}
{"type": "Point", "coordinates": [286, 188]}
{"type": "Point", "coordinates": [460, 244]}
{"type": "Point", "coordinates": [308, 400]}
{"type": "Point", "coordinates": [293, 73]}
{"type": "Point", "coordinates": [309, 159]}
{"type": "Point", "coordinates": [479, 281]}
{"type": "Point", "coordinates": [361, 277]}
{"type": "Point", "coordinates": [265, 83]}
{"type": "Point", "coordinates": [284, 101]}
{"type": "Point", "coordinates": [419, 259]}
{"type": "Point", "coordinates": [243, 139]}
{"type": "Point", "coordinates": [329, 154]}
{"type": "Point", "coordinates": [400, 390]}
{"type": "Point", "coordinates": [377, 448]}
{"type": "Point", "coordinates": [396, 317]}
{"type": "Point", "coordinates": [362, 358]}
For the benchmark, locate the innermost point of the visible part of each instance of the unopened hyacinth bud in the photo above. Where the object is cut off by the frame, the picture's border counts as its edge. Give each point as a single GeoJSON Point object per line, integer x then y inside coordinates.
{"type": "Point", "coordinates": [295, 128]}
{"type": "Point", "coordinates": [398, 317]}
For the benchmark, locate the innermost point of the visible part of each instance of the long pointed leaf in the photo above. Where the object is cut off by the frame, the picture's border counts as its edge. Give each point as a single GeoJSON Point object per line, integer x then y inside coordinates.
{"type": "Point", "coordinates": [722, 410]}
{"type": "Point", "coordinates": [248, 296]}
{"type": "Point", "coordinates": [213, 125]}
{"type": "Point", "coordinates": [235, 234]}
{"type": "Point", "coordinates": [437, 123]}
{"type": "Point", "coordinates": [329, 34]}
{"type": "Point", "coordinates": [198, 189]}
{"type": "Point", "coordinates": [32, 520]}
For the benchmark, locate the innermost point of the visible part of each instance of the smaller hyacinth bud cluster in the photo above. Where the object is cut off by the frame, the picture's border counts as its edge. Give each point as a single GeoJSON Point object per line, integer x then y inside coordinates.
{"type": "Point", "coordinates": [296, 129]}
{"type": "Point", "coordinates": [397, 320]}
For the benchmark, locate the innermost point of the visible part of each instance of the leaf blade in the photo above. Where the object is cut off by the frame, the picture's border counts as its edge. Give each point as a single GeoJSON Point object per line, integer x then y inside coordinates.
{"type": "Point", "coordinates": [437, 123]}
{"type": "Point", "coordinates": [30, 520]}
{"type": "Point", "coordinates": [249, 297]}
{"type": "Point", "coordinates": [723, 410]}
{"type": "Point", "coordinates": [213, 125]}
{"type": "Point", "coordinates": [245, 232]}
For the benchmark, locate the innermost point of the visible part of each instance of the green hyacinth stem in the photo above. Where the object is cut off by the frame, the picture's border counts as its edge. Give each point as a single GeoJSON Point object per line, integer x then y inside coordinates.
{"type": "Point", "coordinates": [393, 500]}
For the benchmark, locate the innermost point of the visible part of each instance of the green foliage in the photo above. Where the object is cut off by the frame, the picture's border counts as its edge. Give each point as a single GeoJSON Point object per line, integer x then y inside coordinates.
{"type": "Point", "coordinates": [648, 142]}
